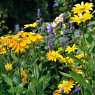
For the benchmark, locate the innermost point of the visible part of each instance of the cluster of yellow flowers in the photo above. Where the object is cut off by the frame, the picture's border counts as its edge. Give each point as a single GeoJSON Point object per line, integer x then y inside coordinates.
{"type": "Point", "coordinates": [30, 37]}
{"type": "Point", "coordinates": [54, 55]}
{"type": "Point", "coordinates": [64, 87]}
{"type": "Point", "coordinates": [82, 12]}
{"type": "Point", "coordinates": [18, 42]}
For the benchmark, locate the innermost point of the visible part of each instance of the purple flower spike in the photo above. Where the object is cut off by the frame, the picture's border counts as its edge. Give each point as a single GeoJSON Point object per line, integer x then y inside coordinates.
{"type": "Point", "coordinates": [50, 45]}
{"type": "Point", "coordinates": [77, 90]}
{"type": "Point", "coordinates": [49, 28]}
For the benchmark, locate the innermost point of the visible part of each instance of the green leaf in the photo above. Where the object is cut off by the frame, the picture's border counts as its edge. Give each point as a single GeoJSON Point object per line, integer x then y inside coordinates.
{"type": "Point", "coordinates": [89, 38]}
{"type": "Point", "coordinates": [7, 79]}
{"type": "Point", "coordinates": [65, 74]}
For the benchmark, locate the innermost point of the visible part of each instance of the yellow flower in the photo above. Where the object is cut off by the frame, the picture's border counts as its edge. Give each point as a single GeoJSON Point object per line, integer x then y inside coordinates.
{"type": "Point", "coordinates": [8, 67]}
{"type": "Point", "coordinates": [7, 40]}
{"type": "Point", "coordinates": [81, 18]}
{"type": "Point", "coordinates": [24, 76]}
{"type": "Point", "coordinates": [10, 42]}
{"type": "Point", "coordinates": [88, 6]}
{"type": "Point", "coordinates": [57, 92]}
{"type": "Point", "coordinates": [19, 46]}
{"type": "Point", "coordinates": [66, 86]}
{"type": "Point", "coordinates": [31, 25]}
{"type": "Point", "coordinates": [26, 36]}
{"type": "Point", "coordinates": [77, 69]}
{"type": "Point", "coordinates": [86, 16]}
{"type": "Point", "coordinates": [36, 38]}
{"type": "Point", "coordinates": [76, 19]}
{"type": "Point", "coordinates": [71, 49]}
{"type": "Point", "coordinates": [81, 8]}
{"type": "Point", "coordinates": [61, 59]}
{"type": "Point", "coordinates": [2, 50]}
{"type": "Point", "coordinates": [79, 56]}
{"type": "Point", "coordinates": [69, 60]}
{"type": "Point", "coordinates": [16, 44]}
{"type": "Point", "coordinates": [23, 34]}
{"type": "Point", "coordinates": [54, 56]}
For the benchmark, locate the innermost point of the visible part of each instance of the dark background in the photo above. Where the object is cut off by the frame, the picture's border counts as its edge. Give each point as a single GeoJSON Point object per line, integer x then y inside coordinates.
{"type": "Point", "coordinates": [25, 11]}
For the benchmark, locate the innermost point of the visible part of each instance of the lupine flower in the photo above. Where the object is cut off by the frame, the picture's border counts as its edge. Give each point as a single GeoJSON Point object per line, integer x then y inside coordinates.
{"type": "Point", "coordinates": [49, 28]}
{"type": "Point", "coordinates": [77, 90]}
{"type": "Point", "coordinates": [58, 20]}
{"type": "Point", "coordinates": [54, 24]}
{"type": "Point", "coordinates": [50, 40]}
{"type": "Point", "coordinates": [50, 45]}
